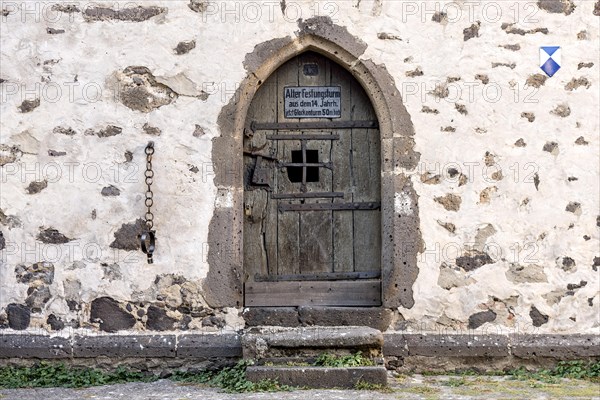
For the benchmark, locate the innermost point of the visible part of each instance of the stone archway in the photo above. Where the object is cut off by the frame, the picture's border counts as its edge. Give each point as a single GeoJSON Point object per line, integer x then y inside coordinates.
{"type": "Point", "coordinates": [401, 238]}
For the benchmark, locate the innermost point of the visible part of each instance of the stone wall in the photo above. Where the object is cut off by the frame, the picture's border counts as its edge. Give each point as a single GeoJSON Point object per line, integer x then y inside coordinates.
{"type": "Point", "coordinates": [507, 180]}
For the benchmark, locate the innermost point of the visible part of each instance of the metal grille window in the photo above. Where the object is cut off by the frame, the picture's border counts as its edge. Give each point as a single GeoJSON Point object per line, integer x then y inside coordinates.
{"type": "Point", "coordinates": [304, 158]}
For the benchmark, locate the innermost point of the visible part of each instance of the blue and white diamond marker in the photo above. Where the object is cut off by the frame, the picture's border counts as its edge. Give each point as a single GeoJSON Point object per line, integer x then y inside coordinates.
{"type": "Point", "coordinates": [550, 59]}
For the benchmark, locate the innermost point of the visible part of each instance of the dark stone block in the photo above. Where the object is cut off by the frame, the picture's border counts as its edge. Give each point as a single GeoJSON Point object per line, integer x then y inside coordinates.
{"type": "Point", "coordinates": [460, 345]}
{"type": "Point", "coordinates": [225, 345]}
{"type": "Point", "coordinates": [37, 297]}
{"type": "Point", "coordinates": [55, 153]}
{"type": "Point", "coordinates": [110, 191]}
{"type": "Point", "coordinates": [472, 31]}
{"type": "Point", "coordinates": [127, 237]}
{"type": "Point", "coordinates": [214, 321]}
{"type": "Point", "coordinates": [319, 377]}
{"type": "Point", "coordinates": [39, 272]}
{"type": "Point", "coordinates": [158, 320]}
{"type": "Point", "coordinates": [471, 263]}
{"type": "Point", "coordinates": [29, 105]}
{"type": "Point", "coordinates": [480, 318]}
{"type": "Point", "coordinates": [151, 130]}
{"type": "Point", "coordinates": [274, 316]}
{"type": "Point", "coordinates": [111, 316]}
{"type": "Point", "coordinates": [198, 6]}
{"type": "Point", "coordinates": [439, 16]}
{"type": "Point", "coordinates": [377, 318]}
{"type": "Point", "coordinates": [144, 346]}
{"type": "Point", "coordinates": [130, 14]}
{"type": "Point", "coordinates": [109, 131]}
{"type": "Point", "coordinates": [537, 317]}
{"type": "Point", "coordinates": [19, 316]}
{"type": "Point", "coordinates": [395, 344]}
{"type": "Point", "coordinates": [66, 8]}
{"type": "Point", "coordinates": [34, 346]}
{"type": "Point", "coordinates": [550, 147]}
{"type": "Point", "coordinates": [557, 6]}
{"type": "Point", "coordinates": [36, 187]}
{"type": "Point", "coordinates": [52, 31]}
{"type": "Point", "coordinates": [52, 236]}
{"type": "Point", "coordinates": [56, 324]}
{"type": "Point", "coordinates": [185, 47]}
{"type": "Point", "coordinates": [64, 130]}
{"type": "Point", "coordinates": [2, 241]}
{"type": "Point", "coordinates": [562, 347]}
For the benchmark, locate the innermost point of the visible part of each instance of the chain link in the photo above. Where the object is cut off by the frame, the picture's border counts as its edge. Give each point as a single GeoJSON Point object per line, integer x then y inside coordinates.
{"type": "Point", "coordinates": [149, 174]}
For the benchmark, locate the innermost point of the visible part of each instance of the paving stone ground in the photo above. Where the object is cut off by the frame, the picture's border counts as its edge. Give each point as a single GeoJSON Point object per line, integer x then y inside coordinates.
{"type": "Point", "coordinates": [414, 387]}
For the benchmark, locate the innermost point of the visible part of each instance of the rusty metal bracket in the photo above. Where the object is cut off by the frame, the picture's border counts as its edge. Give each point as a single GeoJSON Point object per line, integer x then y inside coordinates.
{"type": "Point", "coordinates": [329, 206]}
{"type": "Point", "coordinates": [261, 175]}
{"type": "Point", "coordinates": [308, 195]}
{"type": "Point", "coordinates": [303, 137]}
{"type": "Point", "coordinates": [324, 125]}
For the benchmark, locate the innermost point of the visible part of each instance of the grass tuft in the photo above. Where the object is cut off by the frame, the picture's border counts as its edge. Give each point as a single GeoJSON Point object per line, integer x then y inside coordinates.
{"type": "Point", "coordinates": [59, 375]}
{"type": "Point", "coordinates": [231, 380]}
{"type": "Point", "coordinates": [351, 360]}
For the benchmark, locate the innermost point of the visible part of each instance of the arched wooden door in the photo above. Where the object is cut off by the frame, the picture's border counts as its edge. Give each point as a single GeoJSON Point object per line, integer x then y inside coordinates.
{"type": "Point", "coordinates": [312, 223]}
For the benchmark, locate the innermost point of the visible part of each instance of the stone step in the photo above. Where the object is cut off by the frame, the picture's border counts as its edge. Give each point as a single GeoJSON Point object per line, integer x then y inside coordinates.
{"type": "Point", "coordinates": [277, 342]}
{"type": "Point", "coordinates": [319, 377]}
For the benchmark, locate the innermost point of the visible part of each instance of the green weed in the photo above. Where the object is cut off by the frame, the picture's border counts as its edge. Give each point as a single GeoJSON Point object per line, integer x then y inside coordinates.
{"type": "Point", "coordinates": [59, 375]}
{"type": "Point", "coordinates": [360, 385]}
{"type": "Point", "coordinates": [453, 382]}
{"type": "Point", "coordinates": [564, 369]}
{"type": "Point", "coordinates": [351, 360]}
{"type": "Point", "coordinates": [231, 379]}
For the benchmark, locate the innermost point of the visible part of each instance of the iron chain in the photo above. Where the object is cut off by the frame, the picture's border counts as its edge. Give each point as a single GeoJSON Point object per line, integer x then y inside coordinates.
{"type": "Point", "coordinates": [149, 180]}
{"type": "Point", "coordinates": [148, 238]}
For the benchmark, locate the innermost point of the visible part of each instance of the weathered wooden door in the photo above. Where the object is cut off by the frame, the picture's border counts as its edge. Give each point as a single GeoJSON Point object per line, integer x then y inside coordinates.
{"type": "Point", "coordinates": [312, 225]}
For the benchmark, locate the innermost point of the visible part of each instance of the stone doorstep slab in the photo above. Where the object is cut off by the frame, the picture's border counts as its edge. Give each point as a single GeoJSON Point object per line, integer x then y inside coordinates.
{"type": "Point", "coordinates": [34, 346]}
{"type": "Point", "coordinates": [316, 336]}
{"type": "Point", "coordinates": [160, 346]}
{"type": "Point", "coordinates": [260, 342]}
{"type": "Point", "coordinates": [435, 345]}
{"type": "Point", "coordinates": [319, 377]}
{"type": "Point", "coordinates": [209, 346]}
{"type": "Point", "coordinates": [563, 347]}
{"type": "Point", "coordinates": [373, 317]}
{"type": "Point", "coordinates": [566, 347]}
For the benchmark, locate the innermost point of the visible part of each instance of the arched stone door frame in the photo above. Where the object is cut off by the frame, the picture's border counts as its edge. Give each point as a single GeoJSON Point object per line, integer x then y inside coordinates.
{"type": "Point", "coordinates": [401, 238]}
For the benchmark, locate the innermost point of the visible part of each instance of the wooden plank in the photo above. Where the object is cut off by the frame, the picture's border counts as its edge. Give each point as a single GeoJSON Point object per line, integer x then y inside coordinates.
{"type": "Point", "coordinates": [313, 293]}
{"type": "Point", "coordinates": [366, 170]}
{"type": "Point", "coordinates": [255, 256]}
{"type": "Point", "coordinates": [325, 276]}
{"type": "Point", "coordinates": [330, 206]}
{"type": "Point", "coordinates": [343, 235]}
{"type": "Point", "coordinates": [288, 224]}
{"type": "Point", "coordinates": [316, 226]}
{"type": "Point", "coordinates": [259, 230]}
{"type": "Point", "coordinates": [320, 125]}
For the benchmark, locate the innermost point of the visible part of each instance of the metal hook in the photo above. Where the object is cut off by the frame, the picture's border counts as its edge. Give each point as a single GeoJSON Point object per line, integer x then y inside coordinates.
{"type": "Point", "coordinates": [148, 244]}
